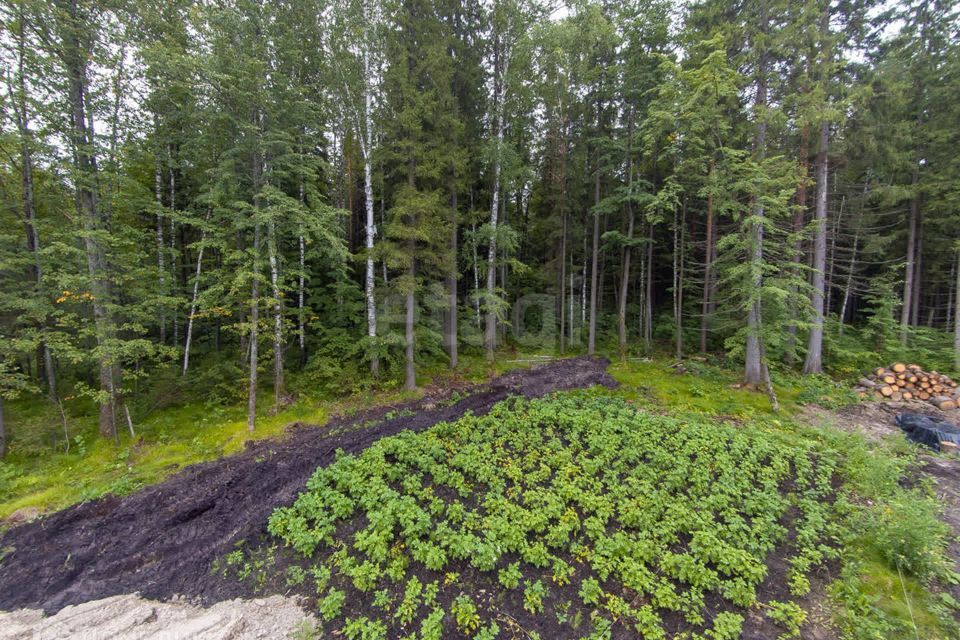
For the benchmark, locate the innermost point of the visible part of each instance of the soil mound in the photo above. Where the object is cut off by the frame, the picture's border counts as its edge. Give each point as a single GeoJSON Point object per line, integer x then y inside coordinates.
{"type": "Point", "coordinates": [162, 540]}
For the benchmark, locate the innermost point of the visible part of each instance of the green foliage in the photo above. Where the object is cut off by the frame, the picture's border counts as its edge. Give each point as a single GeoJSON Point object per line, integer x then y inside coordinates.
{"type": "Point", "coordinates": [465, 614]}
{"type": "Point", "coordinates": [788, 615]}
{"type": "Point", "coordinates": [364, 629]}
{"type": "Point", "coordinates": [510, 576]}
{"type": "Point", "coordinates": [533, 594]}
{"type": "Point", "coordinates": [556, 483]}
{"type": "Point", "coordinates": [332, 604]}
{"type": "Point", "coordinates": [909, 535]}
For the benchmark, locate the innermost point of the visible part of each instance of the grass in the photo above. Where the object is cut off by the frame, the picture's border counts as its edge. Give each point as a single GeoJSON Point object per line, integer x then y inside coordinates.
{"type": "Point", "coordinates": [166, 441]}
{"type": "Point", "coordinates": [710, 389]}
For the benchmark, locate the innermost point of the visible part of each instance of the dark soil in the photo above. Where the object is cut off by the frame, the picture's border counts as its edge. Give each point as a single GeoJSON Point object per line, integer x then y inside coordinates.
{"type": "Point", "coordinates": [162, 541]}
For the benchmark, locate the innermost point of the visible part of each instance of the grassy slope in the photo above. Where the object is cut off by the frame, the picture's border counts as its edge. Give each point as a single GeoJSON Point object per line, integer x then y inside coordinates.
{"type": "Point", "coordinates": [38, 474]}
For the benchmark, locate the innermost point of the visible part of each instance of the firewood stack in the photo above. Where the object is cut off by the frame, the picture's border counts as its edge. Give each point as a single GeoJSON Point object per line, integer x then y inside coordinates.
{"type": "Point", "coordinates": [909, 382]}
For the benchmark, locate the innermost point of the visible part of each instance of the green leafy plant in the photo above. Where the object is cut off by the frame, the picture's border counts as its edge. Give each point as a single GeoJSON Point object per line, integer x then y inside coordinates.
{"type": "Point", "coordinates": [788, 615]}
{"type": "Point", "coordinates": [332, 604]}
{"type": "Point", "coordinates": [533, 595]}
{"type": "Point", "coordinates": [465, 613]}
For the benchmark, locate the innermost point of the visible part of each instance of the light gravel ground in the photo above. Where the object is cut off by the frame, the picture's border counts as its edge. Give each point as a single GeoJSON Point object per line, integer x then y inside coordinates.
{"type": "Point", "coordinates": [130, 617]}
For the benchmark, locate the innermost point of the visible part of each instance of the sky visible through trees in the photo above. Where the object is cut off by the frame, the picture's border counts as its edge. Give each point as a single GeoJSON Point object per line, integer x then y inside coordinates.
{"type": "Point", "coordinates": [346, 190]}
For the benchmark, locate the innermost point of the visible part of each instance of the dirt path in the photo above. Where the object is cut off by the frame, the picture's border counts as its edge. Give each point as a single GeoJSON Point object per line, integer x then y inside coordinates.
{"type": "Point", "coordinates": [162, 540]}
{"type": "Point", "coordinates": [131, 617]}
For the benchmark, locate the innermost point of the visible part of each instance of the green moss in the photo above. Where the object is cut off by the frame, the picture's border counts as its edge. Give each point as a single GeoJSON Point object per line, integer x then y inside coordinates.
{"type": "Point", "coordinates": [703, 389]}
{"type": "Point", "coordinates": [165, 442]}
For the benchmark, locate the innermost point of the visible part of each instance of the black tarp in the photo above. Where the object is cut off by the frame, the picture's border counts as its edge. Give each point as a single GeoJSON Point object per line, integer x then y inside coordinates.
{"type": "Point", "coordinates": [928, 430]}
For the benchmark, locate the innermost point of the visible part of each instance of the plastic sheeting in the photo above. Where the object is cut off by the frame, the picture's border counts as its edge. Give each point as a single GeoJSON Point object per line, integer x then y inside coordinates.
{"type": "Point", "coordinates": [928, 430]}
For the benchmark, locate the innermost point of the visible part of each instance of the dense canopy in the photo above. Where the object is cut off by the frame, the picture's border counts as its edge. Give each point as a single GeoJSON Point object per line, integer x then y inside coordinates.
{"type": "Point", "coordinates": [236, 191]}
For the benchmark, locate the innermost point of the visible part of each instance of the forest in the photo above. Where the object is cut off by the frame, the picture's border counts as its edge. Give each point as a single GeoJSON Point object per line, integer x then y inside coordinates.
{"type": "Point", "coordinates": [338, 193]}
{"type": "Point", "coordinates": [478, 319]}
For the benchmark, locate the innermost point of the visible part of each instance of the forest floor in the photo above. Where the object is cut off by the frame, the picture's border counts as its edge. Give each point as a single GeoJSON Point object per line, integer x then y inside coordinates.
{"type": "Point", "coordinates": [83, 563]}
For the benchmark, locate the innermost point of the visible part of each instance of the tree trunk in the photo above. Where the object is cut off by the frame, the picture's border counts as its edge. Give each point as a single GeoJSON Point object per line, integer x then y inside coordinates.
{"type": "Point", "coordinates": [371, 230]}
{"type": "Point", "coordinates": [951, 292]}
{"type": "Point", "coordinates": [301, 282]}
{"type": "Point", "coordinates": [278, 386]}
{"type": "Point", "coordinates": [814, 359]}
{"type": "Point", "coordinates": [595, 253]}
{"type": "Point", "coordinates": [501, 64]}
{"type": "Point", "coordinates": [911, 246]}
{"type": "Point", "coordinates": [648, 296]}
{"type": "Point", "coordinates": [917, 273]}
{"type": "Point", "coordinates": [563, 278]}
{"type": "Point", "coordinates": [753, 359]}
{"type": "Point", "coordinates": [254, 331]}
{"type": "Point", "coordinates": [625, 275]}
{"type": "Point", "coordinates": [679, 239]}
{"type": "Point", "coordinates": [490, 336]}
{"type": "Point", "coordinates": [74, 58]}
{"type": "Point", "coordinates": [22, 117]}
{"type": "Point", "coordinates": [583, 279]}
{"type": "Point", "coordinates": [956, 325]}
{"type": "Point", "coordinates": [410, 377]}
{"type": "Point", "coordinates": [452, 330]}
{"type": "Point", "coordinates": [161, 248]}
{"type": "Point", "coordinates": [193, 300]}
{"type": "Point", "coordinates": [257, 175]}
{"type": "Point", "coordinates": [410, 373]}
{"type": "Point", "coordinates": [799, 218]}
{"type": "Point", "coordinates": [709, 249]}
{"type": "Point", "coordinates": [849, 286]}
{"type": "Point", "coordinates": [173, 244]}
{"type": "Point", "coordinates": [832, 253]}
{"type": "Point", "coordinates": [476, 275]}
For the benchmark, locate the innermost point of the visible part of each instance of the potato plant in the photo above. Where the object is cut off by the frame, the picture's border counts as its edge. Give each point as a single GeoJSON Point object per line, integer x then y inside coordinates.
{"type": "Point", "coordinates": [572, 508]}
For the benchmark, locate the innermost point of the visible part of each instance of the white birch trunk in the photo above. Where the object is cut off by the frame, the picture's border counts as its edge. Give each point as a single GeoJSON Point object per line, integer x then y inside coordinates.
{"type": "Point", "coordinates": [490, 337]}
{"type": "Point", "coordinates": [161, 249]}
{"type": "Point", "coordinates": [956, 326]}
{"type": "Point", "coordinates": [173, 244]}
{"type": "Point", "coordinates": [368, 196]}
{"type": "Point", "coordinates": [753, 357]}
{"type": "Point", "coordinates": [277, 317]}
{"type": "Point", "coordinates": [254, 321]}
{"type": "Point", "coordinates": [193, 300]}
{"type": "Point", "coordinates": [301, 282]}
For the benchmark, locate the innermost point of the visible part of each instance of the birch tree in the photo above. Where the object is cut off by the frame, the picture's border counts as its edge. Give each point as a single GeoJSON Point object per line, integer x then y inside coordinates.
{"type": "Point", "coordinates": [357, 44]}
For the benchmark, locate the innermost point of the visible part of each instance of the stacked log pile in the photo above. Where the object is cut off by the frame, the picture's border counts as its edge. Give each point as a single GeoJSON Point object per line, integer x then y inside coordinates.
{"type": "Point", "coordinates": [909, 382]}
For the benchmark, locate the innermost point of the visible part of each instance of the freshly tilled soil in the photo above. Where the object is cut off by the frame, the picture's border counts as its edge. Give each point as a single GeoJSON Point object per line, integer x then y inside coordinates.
{"type": "Point", "coordinates": [161, 541]}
